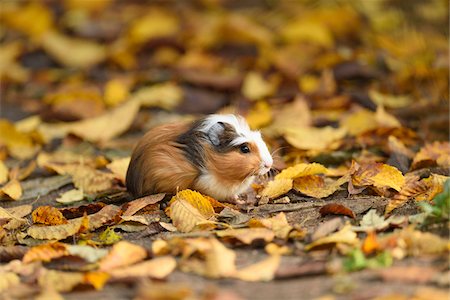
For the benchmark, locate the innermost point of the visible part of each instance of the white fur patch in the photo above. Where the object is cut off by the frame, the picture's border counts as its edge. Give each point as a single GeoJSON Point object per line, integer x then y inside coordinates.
{"type": "Point", "coordinates": [246, 135]}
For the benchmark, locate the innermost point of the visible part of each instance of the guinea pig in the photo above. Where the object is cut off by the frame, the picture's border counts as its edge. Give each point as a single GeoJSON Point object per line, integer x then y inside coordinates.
{"type": "Point", "coordinates": [217, 155]}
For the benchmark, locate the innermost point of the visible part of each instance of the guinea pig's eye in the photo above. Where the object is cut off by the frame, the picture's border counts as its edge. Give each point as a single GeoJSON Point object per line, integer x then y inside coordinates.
{"type": "Point", "coordinates": [244, 148]}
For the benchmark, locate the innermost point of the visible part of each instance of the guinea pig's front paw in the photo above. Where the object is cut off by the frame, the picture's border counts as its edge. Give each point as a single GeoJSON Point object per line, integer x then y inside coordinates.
{"type": "Point", "coordinates": [235, 200]}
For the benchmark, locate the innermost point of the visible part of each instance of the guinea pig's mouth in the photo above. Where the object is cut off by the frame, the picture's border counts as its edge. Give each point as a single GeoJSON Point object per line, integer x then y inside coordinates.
{"type": "Point", "coordinates": [263, 170]}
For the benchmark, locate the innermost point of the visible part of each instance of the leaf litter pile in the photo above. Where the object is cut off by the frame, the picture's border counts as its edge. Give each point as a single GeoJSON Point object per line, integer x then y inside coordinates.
{"type": "Point", "coordinates": [351, 97]}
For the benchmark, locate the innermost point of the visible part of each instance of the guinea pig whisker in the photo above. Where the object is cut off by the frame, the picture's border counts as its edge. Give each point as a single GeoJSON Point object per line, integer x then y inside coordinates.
{"type": "Point", "coordinates": [276, 150]}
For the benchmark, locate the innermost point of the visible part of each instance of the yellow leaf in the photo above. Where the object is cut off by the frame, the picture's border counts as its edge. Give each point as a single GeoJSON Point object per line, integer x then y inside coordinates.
{"type": "Point", "coordinates": [3, 172]}
{"type": "Point", "coordinates": [96, 279]}
{"type": "Point", "coordinates": [386, 120]}
{"type": "Point", "coordinates": [274, 249]}
{"type": "Point", "coordinates": [278, 224]}
{"type": "Point", "coordinates": [48, 215]}
{"type": "Point", "coordinates": [101, 128]}
{"type": "Point", "coordinates": [390, 100]}
{"type": "Point", "coordinates": [164, 95]}
{"type": "Point", "coordinates": [197, 200]}
{"type": "Point", "coordinates": [260, 115]}
{"type": "Point", "coordinates": [122, 254]}
{"type": "Point", "coordinates": [247, 235]}
{"type": "Point", "coordinates": [20, 145]}
{"type": "Point", "coordinates": [345, 236]}
{"type": "Point", "coordinates": [311, 138]}
{"type": "Point", "coordinates": [33, 19]}
{"type": "Point", "coordinates": [109, 237]}
{"type": "Point", "coordinates": [277, 188]}
{"type": "Point", "coordinates": [116, 91]}
{"type": "Point", "coordinates": [90, 6]}
{"type": "Point", "coordinates": [294, 115]}
{"type": "Point", "coordinates": [8, 280]}
{"type": "Point", "coordinates": [360, 121]}
{"type": "Point", "coordinates": [72, 52]}
{"type": "Point", "coordinates": [12, 189]}
{"type": "Point", "coordinates": [10, 69]}
{"type": "Point", "coordinates": [186, 217]}
{"type": "Point", "coordinates": [309, 31]}
{"type": "Point", "coordinates": [302, 169]}
{"type": "Point", "coordinates": [255, 87]}
{"type": "Point", "coordinates": [155, 24]}
{"type": "Point", "coordinates": [28, 124]}
{"type": "Point", "coordinates": [45, 252]}
{"type": "Point", "coordinates": [158, 268]}
{"type": "Point", "coordinates": [317, 186]}
{"type": "Point", "coordinates": [119, 167]}
{"type": "Point", "coordinates": [71, 196]}
{"type": "Point", "coordinates": [377, 174]}
{"type": "Point", "coordinates": [260, 271]}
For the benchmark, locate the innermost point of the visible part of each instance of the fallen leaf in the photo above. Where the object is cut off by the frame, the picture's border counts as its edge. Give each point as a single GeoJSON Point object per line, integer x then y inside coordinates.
{"type": "Point", "coordinates": [345, 236]}
{"type": "Point", "coordinates": [48, 215]}
{"type": "Point", "coordinates": [317, 186]}
{"type": "Point", "coordinates": [294, 115]}
{"type": "Point", "coordinates": [300, 170]}
{"type": "Point", "coordinates": [377, 174]}
{"type": "Point", "coordinates": [3, 172]}
{"type": "Point", "coordinates": [138, 204]}
{"type": "Point", "coordinates": [437, 153]}
{"type": "Point", "coordinates": [247, 235]}
{"type": "Point", "coordinates": [122, 254]}
{"type": "Point", "coordinates": [42, 186]}
{"type": "Point", "coordinates": [336, 209]}
{"type": "Point", "coordinates": [119, 167]}
{"type": "Point", "coordinates": [278, 224]}
{"type": "Point", "coordinates": [158, 268]}
{"type": "Point", "coordinates": [307, 30]}
{"type": "Point", "coordinates": [255, 87]}
{"type": "Point", "coordinates": [45, 252]}
{"type": "Point", "coordinates": [277, 188]}
{"type": "Point", "coordinates": [370, 243]}
{"type": "Point", "coordinates": [10, 68]}
{"type": "Point", "coordinates": [13, 190]}
{"type": "Point", "coordinates": [60, 281]}
{"type": "Point", "coordinates": [389, 100]}
{"type": "Point", "coordinates": [71, 196]}
{"type": "Point", "coordinates": [88, 253]}
{"type": "Point", "coordinates": [73, 52]}
{"type": "Point", "coordinates": [260, 115]}
{"type": "Point", "coordinates": [90, 180]}
{"type": "Point", "coordinates": [117, 91]}
{"type": "Point", "coordinates": [163, 95]}
{"type": "Point", "coordinates": [96, 279]}
{"type": "Point", "coordinates": [187, 218]}
{"type": "Point", "coordinates": [103, 216]}
{"type": "Point", "coordinates": [57, 232]}
{"type": "Point", "coordinates": [109, 237]}
{"type": "Point", "coordinates": [8, 280]}
{"type": "Point", "coordinates": [311, 138]}
{"type": "Point", "coordinates": [260, 271]}
{"type": "Point", "coordinates": [98, 129]}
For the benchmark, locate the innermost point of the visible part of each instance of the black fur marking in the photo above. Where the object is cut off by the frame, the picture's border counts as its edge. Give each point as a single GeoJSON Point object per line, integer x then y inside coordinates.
{"type": "Point", "coordinates": [190, 143]}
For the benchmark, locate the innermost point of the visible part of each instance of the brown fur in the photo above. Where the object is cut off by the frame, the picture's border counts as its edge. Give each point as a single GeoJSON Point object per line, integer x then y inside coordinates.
{"type": "Point", "coordinates": [158, 165]}
{"type": "Point", "coordinates": [233, 167]}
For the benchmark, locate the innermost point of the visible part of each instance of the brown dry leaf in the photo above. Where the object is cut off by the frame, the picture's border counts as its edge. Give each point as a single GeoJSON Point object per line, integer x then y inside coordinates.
{"type": "Point", "coordinates": [164, 95]}
{"type": "Point", "coordinates": [45, 252]}
{"type": "Point", "coordinates": [302, 169]}
{"type": "Point", "coordinates": [255, 87]}
{"type": "Point", "coordinates": [377, 174]}
{"type": "Point", "coordinates": [158, 268]}
{"type": "Point", "coordinates": [122, 254]}
{"type": "Point", "coordinates": [13, 190]}
{"type": "Point", "coordinates": [278, 224]}
{"type": "Point", "coordinates": [260, 115]}
{"type": "Point", "coordinates": [15, 215]}
{"type": "Point", "coordinates": [119, 167]}
{"type": "Point", "coordinates": [247, 235]}
{"type": "Point", "coordinates": [318, 187]}
{"type": "Point", "coordinates": [336, 209]}
{"type": "Point", "coordinates": [138, 204]}
{"type": "Point", "coordinates": [71, 196]}
{"type": "Point", "coordinates": [260, 271]}
{"type": "Point", "coordinates": [90, 180]}
{"type": "Point", "coordinates": [312, 138]}
{"type": "Point", "coordinates": [73, 52]}
{"type": "Point", "coordinates": [277, 188]}
{"type": "Point", "coordinates": [346, 236]}
{"type": "Point", "coordinates": [219, 261]}
{"type": "Point", "coordinates": [103, 216]}
{"type": "Point", "coordinates": [437, 153]}
{"type": "Point", "coordinates": [57, 232]}
{"type": "Point", "coordinates": [3, 172]}
{"type": "Point", "coordinates": [98, 129]}
{"type": "Point", "coordinates": [60, 281]}
{"type": "Point", "coordinates": [48, 215]}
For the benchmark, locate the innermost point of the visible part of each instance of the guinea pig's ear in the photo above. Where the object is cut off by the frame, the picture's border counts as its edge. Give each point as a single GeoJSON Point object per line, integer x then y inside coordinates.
{"type": "Point", "coordinates": [215, 132]}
